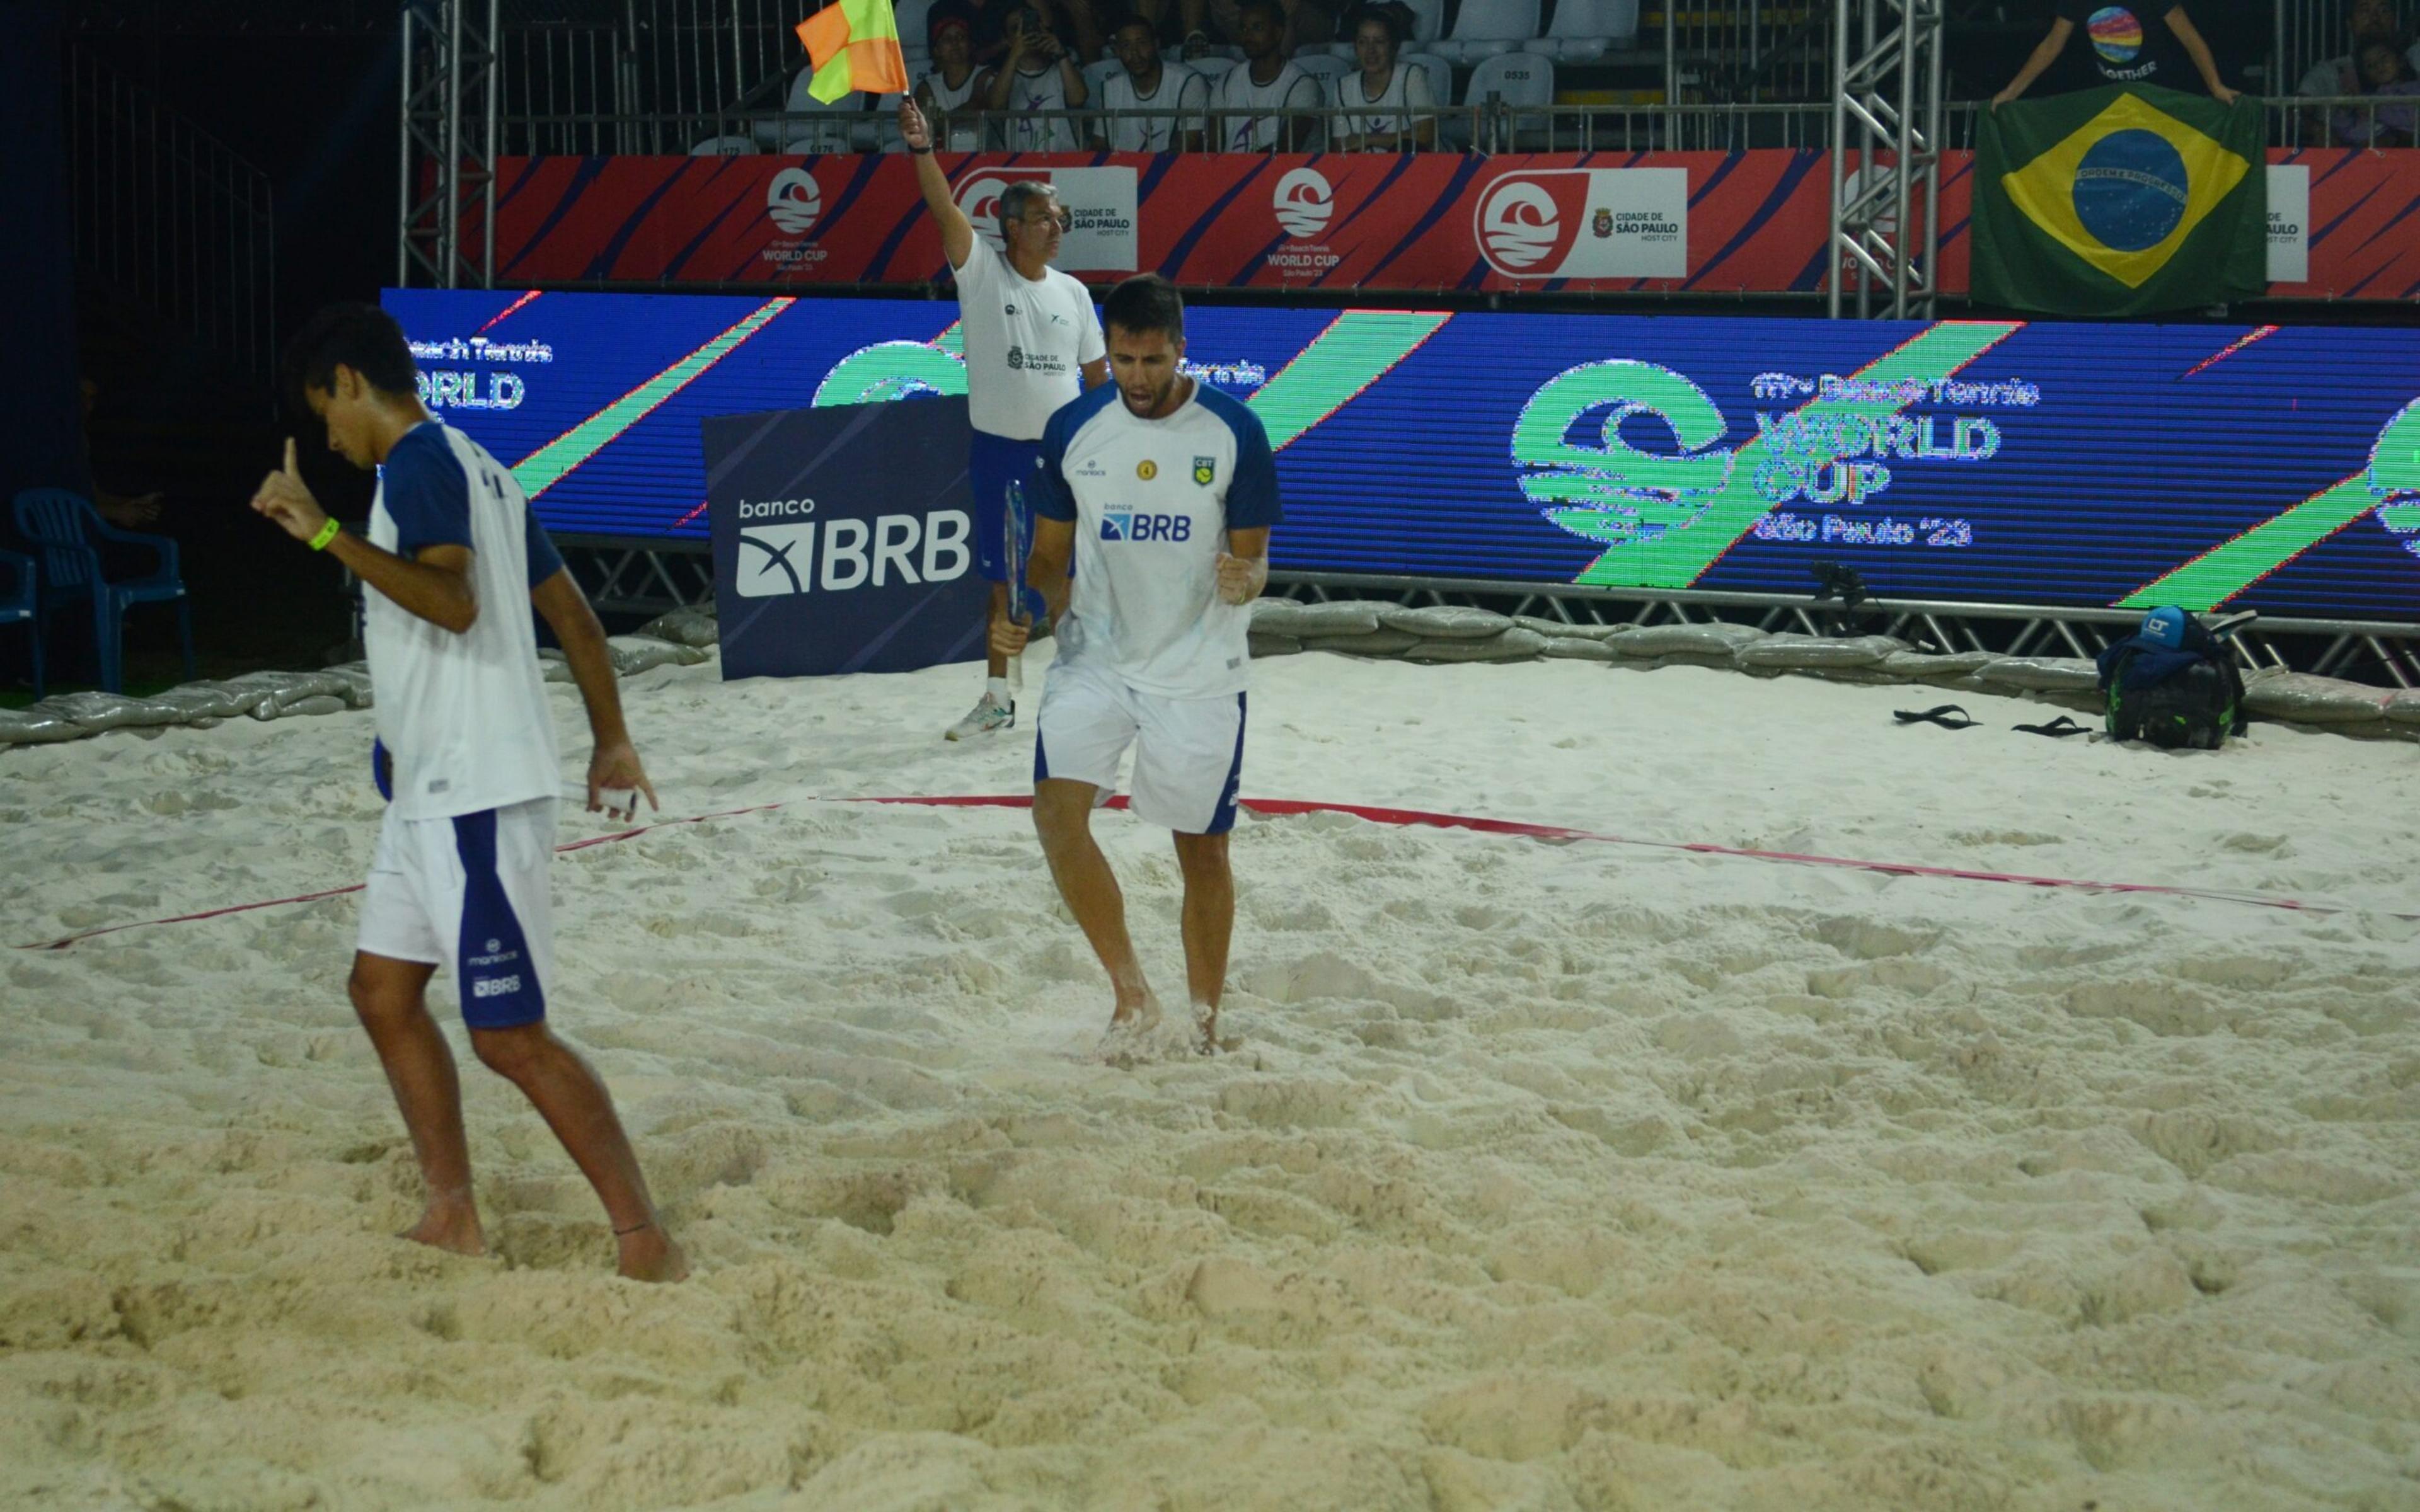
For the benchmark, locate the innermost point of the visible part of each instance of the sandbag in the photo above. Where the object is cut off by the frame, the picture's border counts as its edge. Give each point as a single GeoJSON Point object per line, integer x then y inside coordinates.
{"type": "Point", "coordinates": [1925, 666]}
{"type": "Point", "coordinates": [1806, 653]}
{"type": "Point", "coordinates": [1446, 622]}
{"type": "Point", "coordinates": [2308, 700]}
{"type": "Point", "coordinates": [281, 691]}
{"type": "Point", "coordinates": [633, 654]}
{"type": "Point", "coordinates": [36, 727]}
{"type": "Point", "coordinates": [1552, 630]}
{"type": "Point", "coordinates": [2403, 706]}
{"type": "Point", "coordinates": [1575, 648]}
{"type": "Point", "coordinates": [207, 700]}
{"type": "Point", "coordinates": [1375, 643]}
{"type": "Point", "coordinates": [692, 627]}
{"type": "Point", "coordinates": [553, 667]}
{"type": "Point", "coordinates": [1716, 640]}
{"type": "Point", "coordinates": [1506, 645]}
{"type": "Point", "coordinates": [107, 711]}
{"type": "Point", "coordinates": [1274, 646]}
{"type": "Point", "coordinates": [317, 703]}
{"type": "Point", "coordinates": [2040, 674]}
{"type": "Point", "coordinates": [355, 676]}
{"type": "Point", "coordinates": [1283, 616]}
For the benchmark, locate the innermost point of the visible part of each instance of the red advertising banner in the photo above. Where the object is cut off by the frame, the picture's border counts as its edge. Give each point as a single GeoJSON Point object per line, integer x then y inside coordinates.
{"type": "Point", "coordinates": [1699, 223]}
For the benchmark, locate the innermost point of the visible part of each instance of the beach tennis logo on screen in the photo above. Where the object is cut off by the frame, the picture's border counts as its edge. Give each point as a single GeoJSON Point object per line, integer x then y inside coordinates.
{"type": "Point", "coordinates": [794, 202]}
{"type": "Point", "coordinates": [1529, 222]}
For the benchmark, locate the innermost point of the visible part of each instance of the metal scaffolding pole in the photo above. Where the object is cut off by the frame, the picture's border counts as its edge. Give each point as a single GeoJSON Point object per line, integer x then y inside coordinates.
{"type": "Point", "coordinates": [1886, 79]}
{"type": "Point", "coordinates": [449, 124]}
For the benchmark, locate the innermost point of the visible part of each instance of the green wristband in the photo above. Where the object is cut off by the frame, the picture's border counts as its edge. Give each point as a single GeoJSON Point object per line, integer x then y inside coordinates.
{"type": "Point", "coordinates": [327, 533]}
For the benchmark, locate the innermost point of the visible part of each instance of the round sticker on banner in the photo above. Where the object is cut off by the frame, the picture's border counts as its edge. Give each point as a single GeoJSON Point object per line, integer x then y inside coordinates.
{"type": "Point", "coordinates": [2130, 190]}
{"type": "Point", "coordinates": [793, 201]}
{"type": "Point", "coordinates": [1304, 200]}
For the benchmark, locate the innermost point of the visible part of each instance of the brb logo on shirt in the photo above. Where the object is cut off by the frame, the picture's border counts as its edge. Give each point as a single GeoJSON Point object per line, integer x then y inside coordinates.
{"type": "Point", "coordinates": [1128, 525]}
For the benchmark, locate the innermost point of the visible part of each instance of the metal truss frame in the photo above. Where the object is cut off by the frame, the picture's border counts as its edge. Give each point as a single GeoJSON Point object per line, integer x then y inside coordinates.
{"type": "Point", "coordinates": [640, 575]}
{"type": "Point", "coordinates": [2327, 647]}
{"type": "Point", "coordinates": [451, 113]}
{"type": "Point", "coordinates": [1886, 79]}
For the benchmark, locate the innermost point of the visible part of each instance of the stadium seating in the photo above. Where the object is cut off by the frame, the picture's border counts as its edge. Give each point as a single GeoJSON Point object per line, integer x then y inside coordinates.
{"type": "Point", "coordinates": [1440, 74]}
{"type": "Point", "coordinates": [1582, 30]}
{"type": "Point", "coordinates": [23, 604]}
{"type": "Point", "coordinates": [810, 126]}
{"type": "Point", "coordinates": [1485, 28]}
{"type": "Point", "coordinates": [62, 526]}
{"type": "Point", "coordinates": [725, 146]}
{"type": "Point", "coordinates": [1519, 78]}
{"type": "Point", "coordinates": [1325, 69]}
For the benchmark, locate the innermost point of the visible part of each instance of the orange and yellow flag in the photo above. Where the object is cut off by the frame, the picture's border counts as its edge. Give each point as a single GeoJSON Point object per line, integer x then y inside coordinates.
{"type": "Point", "coordinates": [854, 44]}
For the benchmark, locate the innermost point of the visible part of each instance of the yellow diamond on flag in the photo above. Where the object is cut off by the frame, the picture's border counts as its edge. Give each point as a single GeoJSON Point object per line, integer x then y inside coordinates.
{"type": "Point", "coordinates": [2124, 190]}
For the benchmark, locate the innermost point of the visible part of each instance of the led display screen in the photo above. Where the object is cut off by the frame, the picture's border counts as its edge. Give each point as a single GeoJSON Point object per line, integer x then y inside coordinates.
{"type": "Point", "coordinates": [1982, 461]}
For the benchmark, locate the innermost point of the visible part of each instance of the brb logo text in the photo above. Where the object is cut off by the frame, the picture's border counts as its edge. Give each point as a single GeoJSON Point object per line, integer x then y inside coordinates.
{"type": "Point", "coordinates": [1126, 525]}
{"type": "Point", "coordinates": [779, 559]}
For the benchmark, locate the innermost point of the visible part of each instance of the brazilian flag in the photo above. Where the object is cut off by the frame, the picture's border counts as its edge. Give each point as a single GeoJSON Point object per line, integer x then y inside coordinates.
{"type": "Point", "coordinates": [2120, 200]}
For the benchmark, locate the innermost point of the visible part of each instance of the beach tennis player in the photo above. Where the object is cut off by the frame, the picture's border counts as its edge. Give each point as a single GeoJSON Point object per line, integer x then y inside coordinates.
{"type": "Point", "coordinates": [1163, 492]}
{"type": "Point", "coordinates": [454, 561]}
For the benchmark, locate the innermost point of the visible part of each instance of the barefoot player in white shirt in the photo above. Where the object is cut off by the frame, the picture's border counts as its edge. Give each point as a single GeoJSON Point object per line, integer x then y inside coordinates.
{"type": "Point", "coordinates": [1032, 343]}
{"type": "Point", "coordinates": [454, 561]}
{"type": "Point", "coordinates": [1162, 492]}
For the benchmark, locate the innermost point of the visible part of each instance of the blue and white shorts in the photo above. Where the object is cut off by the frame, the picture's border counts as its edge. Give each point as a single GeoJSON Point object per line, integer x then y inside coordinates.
{"type": "Point", "coordinates": [1189, 753]}
{"type": "Point", "coordinates": [470, 895]}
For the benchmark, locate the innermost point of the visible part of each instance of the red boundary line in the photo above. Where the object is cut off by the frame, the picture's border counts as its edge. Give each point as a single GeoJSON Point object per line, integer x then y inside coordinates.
{"type": "Point", "coordinates": [1419, 817]}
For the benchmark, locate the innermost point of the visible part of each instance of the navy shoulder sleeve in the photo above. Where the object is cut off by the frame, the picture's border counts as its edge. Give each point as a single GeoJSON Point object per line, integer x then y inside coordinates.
{"type": "Point", "coordinates": [428, 494]}
{"type": "Point", "coordinates": [1253, 493]}
{"type": "Point", "coordinates": [544, 560]}
{"type": "Point", "coordinates": [1050, 495]}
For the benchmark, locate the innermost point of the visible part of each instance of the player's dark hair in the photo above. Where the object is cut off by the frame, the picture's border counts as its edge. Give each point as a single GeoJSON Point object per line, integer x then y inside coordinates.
{"type": "Point", "coordinates": [1144, 303]}
{"type": "Point", "coordinates": [1270, 8]}
{"type": "Point", "coordinates": [359, 336]}
{"type": "Point", "coordinates": [1014, 199]}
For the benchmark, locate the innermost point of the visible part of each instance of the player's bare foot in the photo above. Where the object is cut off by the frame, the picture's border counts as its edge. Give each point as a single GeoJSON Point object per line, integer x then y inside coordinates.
{"type": "Point", "coordinates": [649, 1254]}
{"type": "Point", "coordinates": [450, 1223]}
{"type": "Point", "coordinates": [1132, 1025]}
{"type": "Point", "coordinates": [1205, 1031]}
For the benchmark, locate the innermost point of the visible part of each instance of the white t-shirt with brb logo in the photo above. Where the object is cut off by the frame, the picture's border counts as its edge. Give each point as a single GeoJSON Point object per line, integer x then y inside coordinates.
{"type": "Point", "coordinates": [1026, 342]}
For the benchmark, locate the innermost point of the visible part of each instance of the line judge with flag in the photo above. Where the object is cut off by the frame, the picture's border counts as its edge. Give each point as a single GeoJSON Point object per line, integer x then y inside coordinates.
{"type": "Point", "coordinates": [1033, 344]}
{"type": "Point", "coordinates": [2121, 201]}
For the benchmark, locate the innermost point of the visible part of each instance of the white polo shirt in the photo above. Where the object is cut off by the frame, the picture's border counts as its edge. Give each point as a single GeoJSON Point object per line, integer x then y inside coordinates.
{"type": "Point", "coordinates": [1153, 501]}
{"type": "Point", "coordinates": [1179, 88]}
{"type": "Point", "coordinates": [464, 718]}
{"type": "Point", "coordinates": [1026, 342]}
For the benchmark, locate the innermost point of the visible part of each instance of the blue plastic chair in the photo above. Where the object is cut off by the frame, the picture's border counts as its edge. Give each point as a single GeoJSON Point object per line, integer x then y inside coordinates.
{"type": "Point", "coordinates": [23, 606]}
{"type": "Point", "coordinates": [61, 525]}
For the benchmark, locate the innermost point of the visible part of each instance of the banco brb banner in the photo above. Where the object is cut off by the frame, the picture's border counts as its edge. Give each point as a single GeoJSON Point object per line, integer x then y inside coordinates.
{"type": "Point", "coordinates": [2003, 461]}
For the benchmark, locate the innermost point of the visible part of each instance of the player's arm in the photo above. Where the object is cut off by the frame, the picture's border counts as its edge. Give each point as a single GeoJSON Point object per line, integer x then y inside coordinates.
{"type": "Point", "coordinates": [1097, 372]}
{"type": "Point", "coordinates": [433, 584]}
{"type": "Point", "coordinates": [1046, 565]}
{"type": "Point", "coordinates": [2188, 36]}
{"type": "Point", "coordinates": [1244, 566]}
{"type": "Point", "coordinates": [957, 234]}
{"type": "Point", "coordinates": [614, 768]}
{"type": "Point", "coordinates": [2045, 52]}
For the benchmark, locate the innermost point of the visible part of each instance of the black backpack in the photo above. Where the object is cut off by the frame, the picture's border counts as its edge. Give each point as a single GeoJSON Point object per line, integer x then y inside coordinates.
{"type": "Point", "coordinates": [2187, 695]}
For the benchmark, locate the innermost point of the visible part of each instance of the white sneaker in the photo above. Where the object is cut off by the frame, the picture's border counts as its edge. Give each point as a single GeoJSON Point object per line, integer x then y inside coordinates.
{"type": "Point", "coordinates": [989, 716]}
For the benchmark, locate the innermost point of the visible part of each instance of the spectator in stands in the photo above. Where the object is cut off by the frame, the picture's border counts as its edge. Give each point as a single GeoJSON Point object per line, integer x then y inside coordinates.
{"type": "Point", "coordinates": [2384, 70]}
{"type": "Point", "coordinates": [1383, 108]}
{"type": "Point", "coordinates": [1038, 75]}
{"type": "Point", "coordinates": [1147, 83]}
{"type": "Point", "coordinates": [1267, 81]}
{"type": "Point", "coordinates": [2365, 22]}
{"type": "Point", "coordinates": [1307, 22]}
{"type": "Point", "coordinates": [947, 89]}
{"type": "Point", "coordinates": [985, 23]}
{"type": "Point", "coordinates": [2125, 48]}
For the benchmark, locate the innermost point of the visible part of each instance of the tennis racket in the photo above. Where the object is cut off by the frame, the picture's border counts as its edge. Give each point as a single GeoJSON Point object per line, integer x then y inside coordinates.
{"type": "Point", "coordinates": [1013, 553]}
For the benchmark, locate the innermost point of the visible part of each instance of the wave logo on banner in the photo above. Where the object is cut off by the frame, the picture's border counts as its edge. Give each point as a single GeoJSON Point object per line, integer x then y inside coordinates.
{"type": "Point", "coordinates": [793, 201]}
{"type": "Point", "coordinates": [1586, 222]}
{"type": "Point", "coordinates": [979, 198]}
{"type": "Point", "coordinates": [1100, 204]}
{"type": "Point", "coordinates": [1304, 201]}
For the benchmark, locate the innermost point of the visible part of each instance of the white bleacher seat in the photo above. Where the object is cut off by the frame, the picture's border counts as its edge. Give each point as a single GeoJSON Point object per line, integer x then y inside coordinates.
{"type": "Point", "coordinates": [912, 17]}
{"type": "Point", "coordinates": [811, 127]}
{"type": "Point", "coordinates": [1428, 19]}
{"type": "Point", "coordinates": [1487, 28]}
{"type": "Point", "coordinates": [1440, 73]}
{"type": "Point", "coordinates": [1211, 65]}
{"type": "Point", "coordinates": [1098, 74]}
{"type": "Point", "coordinates": [1519, 78]}
{"type": "Point", "coordinates": [1342, 50]}
{"type": "Point", "coordinates": [1582, 30]}
{"type": "Point", "coordinates": [919, 61]}
{"type": "Point", "coordinates": [1325, 69]}
{"type": "Point", "coordinates": [724, 146]}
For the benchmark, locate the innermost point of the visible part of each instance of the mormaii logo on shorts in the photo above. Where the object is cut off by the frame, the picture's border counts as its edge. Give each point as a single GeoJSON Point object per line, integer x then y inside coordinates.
{"type": "Point", "coordinates": [793, 201]}
{"type": "Point", "coordinates": [1586, 222]}
{"type": "Point", "coordinates": [1304, 200]}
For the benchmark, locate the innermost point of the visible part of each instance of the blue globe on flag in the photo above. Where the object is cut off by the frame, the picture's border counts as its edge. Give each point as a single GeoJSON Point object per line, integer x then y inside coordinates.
{"type": "Point", "coordinates": [2131, 190]}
